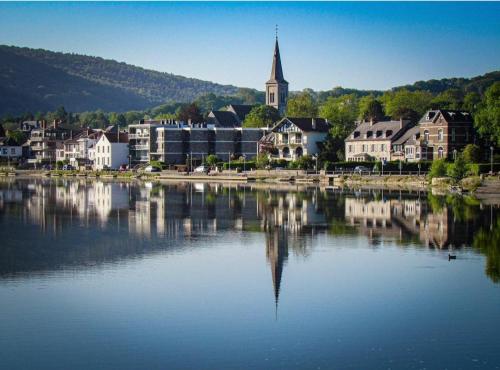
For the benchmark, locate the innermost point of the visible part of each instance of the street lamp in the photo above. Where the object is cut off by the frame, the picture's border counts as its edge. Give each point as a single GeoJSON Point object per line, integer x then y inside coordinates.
{"type": "Point", "coordinates": [491, 158]}
{"type": "Point", "coordinates": [454, 154]}
{"type": "Point", "coordinates": [129, 162]}
{"type": "Point", "coordinates": [244, 161]}
{"type": "Point", "coordinates": [316, 167]}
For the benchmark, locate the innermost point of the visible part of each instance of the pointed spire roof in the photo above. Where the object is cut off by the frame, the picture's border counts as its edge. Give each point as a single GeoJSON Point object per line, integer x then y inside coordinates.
{"type": "Point", "coordinates": [277, 71]}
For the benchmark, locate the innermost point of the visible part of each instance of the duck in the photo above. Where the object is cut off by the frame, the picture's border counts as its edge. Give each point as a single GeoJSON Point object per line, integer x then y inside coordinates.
{"type": "Point", "coordinates": [451, 257]}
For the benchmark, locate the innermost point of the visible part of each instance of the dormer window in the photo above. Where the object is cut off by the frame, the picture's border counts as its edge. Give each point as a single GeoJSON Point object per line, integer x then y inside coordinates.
{"type": "Point", "coordinates": [388, 133]}
{"type": "Point", "coordinates": [378, 133]}
{"type": "Point", "coordinates": [369, 134]}
{"type": "Point", "coordinates": [356, 134]}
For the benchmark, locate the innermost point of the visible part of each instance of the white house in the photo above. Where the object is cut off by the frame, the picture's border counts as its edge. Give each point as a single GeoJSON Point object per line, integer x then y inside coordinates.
{"type": "Point", "coordinates": [295, 137]}
{"type": "Point", "coordinates": [10, 149]}
{"type": "Point", "coordinates": [111, 151]}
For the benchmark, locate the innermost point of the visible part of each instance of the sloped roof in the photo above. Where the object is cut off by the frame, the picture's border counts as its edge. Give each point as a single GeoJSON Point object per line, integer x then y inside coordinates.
{"type": "Point", "coordinates": [306, 124]}
{"type": "Point", "coordinates": [8, 141]}
{"type": "Point", "coordinates": [448, 115]}
{"type": "Point", "coordinates": [241, 110]}
{"type": "Point", "coordinates": [224, 118]}
{"type": "Point", "coordinates": [2, 131]}
{"type": "Point", "coordinates": [390, 130]}
{"type": "Point", "coordinates": [408, 137]}
{"type": "Point", "coordinates": [277, 70]}
{"type": "Point", "coordinates": [113, 137]}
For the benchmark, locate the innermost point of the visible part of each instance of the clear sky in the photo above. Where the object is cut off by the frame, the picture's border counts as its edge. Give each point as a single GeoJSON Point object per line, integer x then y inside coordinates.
{"type": "Point", "coordinates": [323, 45]}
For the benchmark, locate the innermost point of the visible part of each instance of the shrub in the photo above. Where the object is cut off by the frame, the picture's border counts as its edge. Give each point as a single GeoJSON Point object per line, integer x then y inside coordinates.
{"type": "Point", "coordinates": [262, 161]}
{"type": "Point", "coordinates": [438, 168]}
{"type": "Point", "coordinates": [158, 164]}
{"type": "Point", "coordinates": [473, 169]}
{"type": "Point", "coordinates": [212, 160]}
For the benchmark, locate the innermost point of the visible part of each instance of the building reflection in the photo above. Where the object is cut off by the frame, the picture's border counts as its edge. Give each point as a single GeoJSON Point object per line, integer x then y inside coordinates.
{"type": "Point", "coordinates": [140, 218]}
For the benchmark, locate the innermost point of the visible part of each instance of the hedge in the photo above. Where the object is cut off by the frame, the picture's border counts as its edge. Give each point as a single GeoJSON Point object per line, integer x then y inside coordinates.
{"type": "Point", "coordinates": [235, 165]}
{"type": "Point", "coordinates": [389, 166]}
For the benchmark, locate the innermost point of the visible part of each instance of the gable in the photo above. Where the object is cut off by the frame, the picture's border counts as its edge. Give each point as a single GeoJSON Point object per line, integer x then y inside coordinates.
{"type": "Point", "coordinates": [287, 126]}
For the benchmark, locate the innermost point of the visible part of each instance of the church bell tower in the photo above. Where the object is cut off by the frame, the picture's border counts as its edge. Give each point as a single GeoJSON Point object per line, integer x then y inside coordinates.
{"type": "Point", "coordinates": [277, 86]}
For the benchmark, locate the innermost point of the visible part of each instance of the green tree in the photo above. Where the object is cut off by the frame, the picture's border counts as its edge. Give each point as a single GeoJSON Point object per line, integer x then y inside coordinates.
{"type": "Point", "coordinates": [458, 169]}
{"type": "Point", "coordinates": [370, 109]}
{"type": "Point", "coordinates": [17, 136]}
{"type": "Point", "coordinates": [212, 160]}
{"type": "Point", "coordinates": [261, 116]}
{"type": "Point", "coordinates": [262, 161]}
{"type": "Point", "coordinates": [406, 104]}
{"type": "Point", "coordinates": [302, 105]}
{"type": "Point", "coordinates": [341, 112]}
{"type": "Point", "coordinates": [117, 119]}
{"type": "Point", "coordinates": [487, 118]}
{"type": "Point", "coordinates": [449, 99]}
{"type": "Point", "coordinates": [472, 153]}
{"type": "Point", "coordinates": [471, 102]}
{"type": "Point", "coordinates": [438, 168]}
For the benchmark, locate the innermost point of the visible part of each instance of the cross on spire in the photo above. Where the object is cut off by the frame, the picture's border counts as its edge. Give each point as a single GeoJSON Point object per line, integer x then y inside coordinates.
{"type": "Point", "coordinates": [276, 30]}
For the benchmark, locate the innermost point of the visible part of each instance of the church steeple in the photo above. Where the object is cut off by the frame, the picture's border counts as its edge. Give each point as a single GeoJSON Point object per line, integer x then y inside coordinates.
{"type": "Point", "coordinates": [277, 86]}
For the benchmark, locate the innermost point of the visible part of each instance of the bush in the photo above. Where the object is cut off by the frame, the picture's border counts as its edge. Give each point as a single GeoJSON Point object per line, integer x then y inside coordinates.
{"type": "Point", "coordinates": [438, 168]}
{"type": "Point", "coordinates": [305, 162]}
{"type": "Point", "coordinates": [238, 165]}
{"type": "Point", "coordinates": [212, 160]}
{"type": "Point", "coordinates": [473, 169]}
{"type": "Point", "coordinates": [158, 164]}
{"type": "Point", "coordinates": [262, 161]}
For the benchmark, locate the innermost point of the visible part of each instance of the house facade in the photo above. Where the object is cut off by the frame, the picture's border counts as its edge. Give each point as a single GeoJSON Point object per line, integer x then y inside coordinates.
{"type": "Point", "coordinates": [295, 137]}
{"type": "Point", "coordinates": [44, 141]}
{"type": "Point", "coordinates": [444, 131]}
{"type": "Point", "coordinates": [374, 140]}
{"type": "Point", "coordinates": [111, 151]}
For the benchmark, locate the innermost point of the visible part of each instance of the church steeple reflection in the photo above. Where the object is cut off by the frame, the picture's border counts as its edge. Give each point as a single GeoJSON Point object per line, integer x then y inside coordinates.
{"type": "Point", "coordinates": [277, 255]}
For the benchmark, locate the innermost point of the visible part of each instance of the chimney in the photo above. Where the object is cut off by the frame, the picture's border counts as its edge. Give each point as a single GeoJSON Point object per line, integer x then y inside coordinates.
{"type": "Point", "coordinates": [189, 121]}
{"type": "Point", "coordinates": [313, 123]}
{"type": "Point", "coordinates": [44, 124]}
{"type": "Point", "coordinates": [401, 122]}
{"type": "Point", "coordinates": [371, 121]}
{"type": "Point", "coordinates": [55, 124]}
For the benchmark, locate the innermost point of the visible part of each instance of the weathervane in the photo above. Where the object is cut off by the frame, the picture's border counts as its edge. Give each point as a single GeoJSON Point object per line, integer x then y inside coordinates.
{"type": "Point", "coordinates": [276, 29]}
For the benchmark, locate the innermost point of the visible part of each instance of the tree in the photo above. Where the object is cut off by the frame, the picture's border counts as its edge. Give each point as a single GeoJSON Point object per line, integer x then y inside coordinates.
{"type": "Point", "coordinates": [438, 168]}
{"type": "Point", "coordinates": [487, 118]}
{"type": "Point", "coordinates": [370, 109]}
{"type": "Point", "coordinates": [262, 161]}
{"type": "Point", "coordinates": [406, 104]}
{"type": "Point", "coordinates": [449, 99]}
{"type": "Point", "coordinates": [212, 160]}
{"type": "Point", "coordinates": [471, 153]}
{"type": "Point", "coordinates": [341, 112]}
{"type": "Point", "coordinates": [17, 136]}
{"type": "Point", "coordinates": [261, 116]}
{"type": "Point", "coordinates": [302, 105]}
{"type": "Point", "coordinates": [458, 169]}
{"type": "Point", "coordinates": [471, 102]}
{"type": "Point", "coordinates": [117, 119]}
{"type": "Point", "coordinates": [189, 112]}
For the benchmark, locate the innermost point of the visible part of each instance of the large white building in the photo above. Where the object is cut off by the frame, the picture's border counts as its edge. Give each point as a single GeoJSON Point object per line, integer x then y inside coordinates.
{"type": "Point", "coordinates": [111, 151]}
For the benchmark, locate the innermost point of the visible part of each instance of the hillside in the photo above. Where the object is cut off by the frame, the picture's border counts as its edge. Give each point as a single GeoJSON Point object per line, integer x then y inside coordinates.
{"type": "Point", "coordinates": [40, 80]}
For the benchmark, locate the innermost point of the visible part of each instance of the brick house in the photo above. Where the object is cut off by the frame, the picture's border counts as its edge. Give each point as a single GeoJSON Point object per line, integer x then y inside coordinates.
{"type": "Point", "coordinates": [443, 131]}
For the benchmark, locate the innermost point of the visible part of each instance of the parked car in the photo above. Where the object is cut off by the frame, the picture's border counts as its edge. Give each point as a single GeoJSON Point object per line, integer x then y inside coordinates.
{"type": "Point", "coordinates": [123, 167]}
{"type": "Point", "coordinates": [201, 169]}
{"type": "Point", "coordinates": [151, 169]}
{"type": "Point", "coordinates": [361, 169]}
{"type": "Point", "coordinates": [68, 167]}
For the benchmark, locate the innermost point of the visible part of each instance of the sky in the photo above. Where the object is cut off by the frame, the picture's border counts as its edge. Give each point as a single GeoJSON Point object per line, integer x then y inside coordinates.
{"type": "Point", "coordinates": [323, 45]}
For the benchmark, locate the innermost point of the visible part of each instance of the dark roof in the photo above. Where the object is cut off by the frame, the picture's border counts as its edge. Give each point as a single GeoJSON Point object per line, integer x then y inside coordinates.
{"type": "Point", "coordinates": [408, 137]}
{"type": "Point", "coordinates": [391, 129]}
{"type": "Point", "coordinates": [277, 71]}
{"type": "Point", "coordinates": [2, 131]}
{"type": "Point", "coordinates": [225, 119]}
{"type": "Point", "coordinates": [241, 110]}
{"type": "Point", "coordinates": [305, 124]}
{"type": "Point", "coordinates": [448, 115]}
{"type": "Point", "coordinates": [113, 137]}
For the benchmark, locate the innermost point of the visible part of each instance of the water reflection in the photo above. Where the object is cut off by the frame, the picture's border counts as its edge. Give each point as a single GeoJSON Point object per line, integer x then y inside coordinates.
{"type": "Point", "coordinates": [55, 224]}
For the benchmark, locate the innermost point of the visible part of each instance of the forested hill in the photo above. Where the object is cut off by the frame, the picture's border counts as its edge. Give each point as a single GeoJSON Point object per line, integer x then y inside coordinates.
{"type": "Point", "coordinates": [41, 80]}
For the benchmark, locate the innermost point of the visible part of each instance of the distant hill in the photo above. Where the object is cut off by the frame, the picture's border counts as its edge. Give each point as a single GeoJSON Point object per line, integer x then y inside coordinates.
{"type": "Point", "coordinates": [477, 84]}
{"type": "Point", "coordinates": [40, 80]}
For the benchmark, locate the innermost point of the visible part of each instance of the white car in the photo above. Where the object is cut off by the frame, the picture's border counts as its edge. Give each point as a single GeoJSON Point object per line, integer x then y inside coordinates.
{"type": "Point", "coordinates": [151, 169]}
{"type": "Point", "coordinates": [201, 169]}
{"type": "Point", "coordinates": [361, 169]}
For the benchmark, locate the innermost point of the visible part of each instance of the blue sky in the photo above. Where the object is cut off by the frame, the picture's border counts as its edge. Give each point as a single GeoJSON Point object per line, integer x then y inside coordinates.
{"type": "Point", "coordinates": [323, 45]}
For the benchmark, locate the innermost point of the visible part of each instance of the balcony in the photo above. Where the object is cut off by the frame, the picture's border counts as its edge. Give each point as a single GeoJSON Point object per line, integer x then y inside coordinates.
{"type": "Point", "coordinates": [138, 136]}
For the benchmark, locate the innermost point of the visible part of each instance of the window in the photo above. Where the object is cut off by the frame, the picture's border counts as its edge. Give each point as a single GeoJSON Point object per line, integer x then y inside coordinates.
{"type": "Point", "coordinates": [426, 135]}
{"type": "Point", "coordinates": [12, 151]}
{"type": "Point", "coordinates": [466, 136]}
{"type": "Point", "coordinates": [382, 147]}
{"type": "Point", "coordinates": [108, 146]}
{"type": "Point", "coordinates": [271, 97]}
{"type": "Point", "coordinates": [349, 148]}
{"type": "Point", "coordinates": [440, 135]}
{"type": "Point", "coordinates": [440, 152]}
{"type": "Point", "coordinates": [453, 135]}
{"type": "Point", "coordinates": [373, 146]}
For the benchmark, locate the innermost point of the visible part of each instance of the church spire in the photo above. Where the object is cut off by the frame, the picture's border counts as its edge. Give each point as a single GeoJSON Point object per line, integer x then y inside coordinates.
{"type": "Point", "coordinates": [277, 71]}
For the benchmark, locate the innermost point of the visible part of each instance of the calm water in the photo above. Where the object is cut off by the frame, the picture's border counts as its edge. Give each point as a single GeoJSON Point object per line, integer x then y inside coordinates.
{"type": "Point", "coordinates": [98, 275]}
